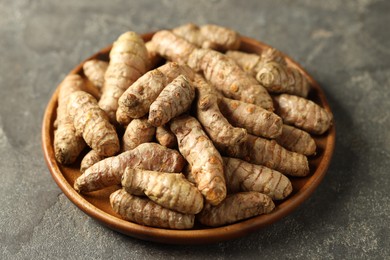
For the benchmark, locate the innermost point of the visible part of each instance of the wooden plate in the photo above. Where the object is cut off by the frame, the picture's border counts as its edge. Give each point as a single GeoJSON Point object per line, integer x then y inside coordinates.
{"type": "Point", "coordinates": [96, 204]}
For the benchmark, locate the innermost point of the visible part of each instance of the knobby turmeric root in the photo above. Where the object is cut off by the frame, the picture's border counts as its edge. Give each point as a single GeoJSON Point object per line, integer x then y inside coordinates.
{"type": "Point", "coordinates": [269, 153]}
{"type": "Point", "coordinates": [94, 70]}
{"type": "Point", "coordinates": [139, 131]}
{"type": "Point", "coordinates": [204, 158]}
{"type": "Point", "coordinates": [221, 132]}
{"type": "Point", "coordinates": [165, 137]}
{"type": "Point", "coordinates": [136, 100]}
{"type": "Point", "coordinates": [170, 190]}
{"type": "Point", "coordinates": [92, 123]}
{"type": "Point", "coordinates": [209, 36]}
{"type": "Point", "coordinates": [296, 140]}
{"type": "Point", "coordinates": [148, 156]}
{"type": "Point", "coordinates": [303, 113]}
{"type": "Point", "coordinates": [243, 176]}
{"type": "Point", "coordinates": [145, 212]}
{"type": "Point", "coordinates": [128, 61]}
{"type": "Point", "coordinates": [174, 99]}
{"type": "Point", "coordinates": [236, 207]}
{"type": "Point", "coordinates": [223, 73]}
{"type": "Point", "coordinates": [90, 159]}
{"type": "Point", "coordinates": [255, 119]}
{"type": "Point", "coordinates": [67, 144]}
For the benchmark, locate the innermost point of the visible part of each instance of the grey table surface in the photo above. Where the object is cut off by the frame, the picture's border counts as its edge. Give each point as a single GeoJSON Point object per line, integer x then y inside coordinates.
{"type": "Point", "coordinates": [345, 45]}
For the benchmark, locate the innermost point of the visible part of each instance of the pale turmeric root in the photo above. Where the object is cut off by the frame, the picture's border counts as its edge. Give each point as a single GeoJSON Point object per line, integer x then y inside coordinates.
{"type": "Point", "coordinates": [252, 62]}
{"type": "Point", "coordinates": [90, 159]}
{"type": "Point", "coordinates": [303, 113]}
{"type": "Point", "coordinates": [128, 61]}
{"type": "Point", "coordinates": [174, 99]}
{"type": "Point", "coordinates": [94, 70]}
{"type": "Point", "coordinates": [296, 140]}
{"type": "Point", "coordinates": [221, 132]}
{"type": "Point", "coordinates": [165, 137]}
{"type": "Point", "coordinates": [243, 176]}
{"type": "Point", "coordinates": [209, 36]}
{"type": "Point", "coordinates": [145, 212]}
{"type": "Point", "coordinates": [223, 73]}
{"type": "Point", "coordinates": [92, 123]}
{"type": "Point", "coordinates": [172, 47]}
{"type": "Point", "coordinates": [154, 57]}
{"type": "Point", "coordinates": [204, 158]}
{"type": "Point", "coordinates": [136, 100]}
{"type": "Point", "coordinates": [67, 144]}
{"type": "Point", "coordinates": [170, 190]}
{"type": "Point", "coordinates": [269, 153]}
{"type": "Point", "coordinates": [148, 156]}
{"type": "Point", "coordinates": [255, 119]}
{"type": "Point", "coordinates": [278, 78]}
{"type": "Point", "coordinates": [137, 132]}
{"type": "Point", "coordinates": [236, 207]}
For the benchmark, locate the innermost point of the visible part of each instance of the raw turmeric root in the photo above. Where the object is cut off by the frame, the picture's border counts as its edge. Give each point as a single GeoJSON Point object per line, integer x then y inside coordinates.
{"type": "Point", "coordinates": [209, 36]}
{"type": "Point", "coordinates": [136, 100]}
{"type": "Point", "coordinates": [221, 132]}
{"type": "Point", "coordinates": [154, 57]}
{"type": "Point", "coordinates": [174, 99]}
{"type": "Point", "coordinates": [148, 156]}
{"type": "Point", "coordinates": [223, 73]}
{"type": "Point", "coordinates": [255, 119]}
{"type": "Point", "coordinates": [94, 70]}
{"type": "Point", "coordinates": [137, 132]}
{"type": "Point", "coordinates": [165, 137]}
{"type": "Point", "coordinates": [145, 212]}
{"type": "Point", "coordinates": [90, 159]}
{"type": "Point", "coordinates": [92, 123]}
{"type": "Point", "coordinates": [236, 207]}
{"type": "Point", "coordinates": [303, 113]}
{"type": "Point", "coordinates": [172, 47]}
{"type": "Point", "coordinates": [252, 62]}
{"type": "Point", "coordinates": [128, 61]}
{"type": "Point", "coordinates": [67, 144]}
{"type": "Point", "coordinates": [269, 153]}
{"type": "Point", "coordinates": [243, 176]}
{"type": "Point", "coordinates": [204, 158]}
{"type": "Point", "coordinates": [278, 78]}
{"type": "Point", "coordinates": [296, 140]}
{"type": "Point", "coordinates": [170, 190]}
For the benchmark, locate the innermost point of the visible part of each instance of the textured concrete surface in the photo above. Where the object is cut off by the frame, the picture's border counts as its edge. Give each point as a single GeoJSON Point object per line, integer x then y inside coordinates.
{"type": "Point", "coordinates": [345, 45]}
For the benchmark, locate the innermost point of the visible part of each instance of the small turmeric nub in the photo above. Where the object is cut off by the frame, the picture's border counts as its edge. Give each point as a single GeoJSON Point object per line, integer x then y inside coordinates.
{"type": "Point", "coordinates": [139, 131]}
{"type": "Point", "coordinates": [297, 140]}
{"type": "Point", "coordinates": [90, 159]}
{"type": "Point", "coordinates": [165, 137]}
{"type": "Point", "coordinates": [94, 70]}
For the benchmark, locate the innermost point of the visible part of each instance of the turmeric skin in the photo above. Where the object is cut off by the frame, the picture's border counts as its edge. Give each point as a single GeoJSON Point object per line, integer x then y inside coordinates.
{"type": "Point", "coordinates": [145, 212]}
{"type": "Point", "coordinates": [148, 156]}
{"type": "Point", "coordinates": [221, 132]}
{"type": "Point", "coordinates": [90, 159]}
{"type": "Point", "coordinates": [236, 207]}
{"type": "Point", "coordinates": [204, 158]}
{"type": "Point", "coordinates": [139, 131]}
{"type": "Point", "coordinates": [165, 137]}
{"type": "Point", "coordinates": [94, 70]}
{"type": "Point", "coordinates": [296, 140]}
{"type": "Point", "coordinates": [170, 190]}
{"type": "Point", "coordinates": [136, 100]}
{"type": "Point", "coordinates": [92, 123]}
{"type": "Point", "coordinates": [244, 176]}
{"type": "Point", "coordinates": [303, 113]}
{"type": "Point", "coordinates": [67, 143]}
{"type": "Point", "coordinates": [174, 99]}
{"type": "Point", "coordinates": [128, 61]}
